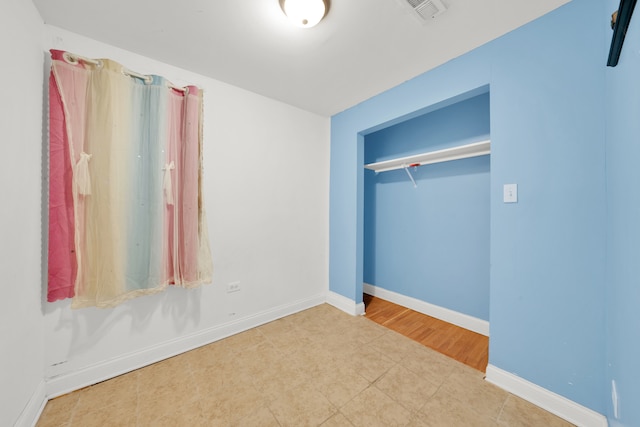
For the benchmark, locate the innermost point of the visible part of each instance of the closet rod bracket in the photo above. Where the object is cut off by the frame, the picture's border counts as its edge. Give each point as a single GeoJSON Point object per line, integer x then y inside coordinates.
{"type": "Point", "coordinates": [406, 169]}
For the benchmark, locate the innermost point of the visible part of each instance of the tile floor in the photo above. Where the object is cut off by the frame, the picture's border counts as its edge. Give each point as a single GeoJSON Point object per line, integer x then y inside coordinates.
{"type": "Point", "coordinates": [316, 367]}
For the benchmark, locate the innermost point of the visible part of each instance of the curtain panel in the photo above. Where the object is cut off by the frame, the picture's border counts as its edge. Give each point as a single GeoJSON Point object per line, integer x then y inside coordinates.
{"type": "Point", "coordinates": [126, 209]}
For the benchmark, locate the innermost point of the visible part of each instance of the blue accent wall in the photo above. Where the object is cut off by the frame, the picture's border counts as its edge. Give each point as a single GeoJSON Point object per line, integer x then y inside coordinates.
{"type": "Point", "coordinates": [431, 242]}
{"type": "Point", "coordinates": [547, 281]}
{"type": "Point", "coordinates": [547, 272]}
{"type": "Point", "coordinates": [623, 227]}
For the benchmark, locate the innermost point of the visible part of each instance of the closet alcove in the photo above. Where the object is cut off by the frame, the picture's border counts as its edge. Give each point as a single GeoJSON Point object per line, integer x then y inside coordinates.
{"type": "Point", "coordinates": [426, 228]}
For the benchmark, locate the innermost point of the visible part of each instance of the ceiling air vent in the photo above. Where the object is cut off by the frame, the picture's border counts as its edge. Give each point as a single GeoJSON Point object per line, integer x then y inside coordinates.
{"type": "Point", "coordinates": [427, 9]}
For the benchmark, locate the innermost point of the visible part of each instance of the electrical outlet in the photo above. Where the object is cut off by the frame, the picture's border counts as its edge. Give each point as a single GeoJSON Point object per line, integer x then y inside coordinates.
{"type": "Point", "coordinates": [233, 287]}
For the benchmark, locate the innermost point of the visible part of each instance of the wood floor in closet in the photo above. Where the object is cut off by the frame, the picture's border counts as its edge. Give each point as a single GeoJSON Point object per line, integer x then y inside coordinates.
{"type": "Point", "coordinates": [463, 345]}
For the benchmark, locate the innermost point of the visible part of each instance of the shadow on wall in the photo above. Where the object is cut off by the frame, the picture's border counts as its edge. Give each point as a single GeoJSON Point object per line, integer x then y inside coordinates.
{"type": "Point", "coordinates": [88, 326]}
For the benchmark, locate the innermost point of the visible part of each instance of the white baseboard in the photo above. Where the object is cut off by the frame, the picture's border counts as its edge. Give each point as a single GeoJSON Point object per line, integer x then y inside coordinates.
{"type": "Point", "coordinates": [460, 319]}
{"type": "Point", "coordinates": [94, 374]}
{"type": "Point", "coordinates": [33, 409]}
{"type": "Point", "coordinates": [345, 304]}
{"type": "Point", "coordinates": [548, 400]}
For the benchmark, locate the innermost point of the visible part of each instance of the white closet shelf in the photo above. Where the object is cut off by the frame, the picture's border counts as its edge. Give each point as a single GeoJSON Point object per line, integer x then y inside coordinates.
{"type": "Point", "coordinates": [455, 153]}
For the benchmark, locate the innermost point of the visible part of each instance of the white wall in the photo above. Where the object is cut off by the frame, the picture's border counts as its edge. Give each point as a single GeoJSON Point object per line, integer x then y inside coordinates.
{"type": "Point", "coordinates": [266, 169]}
{"type": "Point", "coordinates": [21, 345]}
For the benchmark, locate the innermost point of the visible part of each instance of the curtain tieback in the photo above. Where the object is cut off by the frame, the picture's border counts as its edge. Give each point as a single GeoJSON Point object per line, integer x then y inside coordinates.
{"type": "Point", "coordinates": [168, 187]}
{"type": "Point", "coordinates": [83, 179]}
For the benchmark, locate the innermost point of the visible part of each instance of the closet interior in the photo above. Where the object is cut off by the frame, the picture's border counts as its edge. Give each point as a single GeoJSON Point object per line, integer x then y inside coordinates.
{"type": "Point", "coordinates": [427, 213]}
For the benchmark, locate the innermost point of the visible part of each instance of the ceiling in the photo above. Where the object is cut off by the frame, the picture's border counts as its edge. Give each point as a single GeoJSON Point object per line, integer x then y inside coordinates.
{"type": "Point", "coordinates": [361, 48]}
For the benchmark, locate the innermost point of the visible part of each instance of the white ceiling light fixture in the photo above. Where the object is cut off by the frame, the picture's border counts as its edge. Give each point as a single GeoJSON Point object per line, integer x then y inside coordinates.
{"type": "Point", "coordinates": [305, 13]}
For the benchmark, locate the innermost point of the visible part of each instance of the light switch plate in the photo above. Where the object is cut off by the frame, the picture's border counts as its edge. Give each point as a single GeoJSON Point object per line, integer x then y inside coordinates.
{"type": "Point", "coordinates": [510, 193]}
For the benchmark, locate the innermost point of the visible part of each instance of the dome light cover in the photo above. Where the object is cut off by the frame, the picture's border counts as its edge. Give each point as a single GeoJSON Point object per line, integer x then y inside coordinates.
{"type": "Point", "coordinates": [304, 13]}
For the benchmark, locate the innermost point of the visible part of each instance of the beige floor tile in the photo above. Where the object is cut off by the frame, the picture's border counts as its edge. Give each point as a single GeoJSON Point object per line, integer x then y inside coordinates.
{"type": "Point", "coordinates": [310, 320]}
{"type": "Point", "coordinates": [373, 408]}
{"type": "Point", "coordinates": [344, 327]}
{"type": "Point", "coordinates": [123, 388]}
{"type": "Point", "coordinates": [367, 330]}
{"type": "Point", "coordinates": [303, 406]}
{"type": "Point", "coordinates": [220, 369]}
{"type": "Point", "coordinates": [335, 341]}
{"type": "Point", "coordinates": [260, 418]}
{"type": "Point", "coordinates": [285, 336]}
{"type": "Point", "coordinates": [175, 366]}
{"type": "Point", "coordinates": [216, 354]}
{"type": "Point", "coordinates": [404, 387]}
{"type": "Point", "coordinates": [215, 380]}
{"type": "Point", "coordinates": [395, 346]}
{"type": "Point", "coordinates": [230, 404]}
{"type": "Point", "coordinates": [182, 411]}
{"type": "Point", "coordinates": [327, 312]}
{"type": "Point", "coordinates": [119, 414]}
{"type": "Point", "coordinates": [243, 341]}
{"type": "Point", "coordinates": [517, 412]}
{"type": "Point", "coordinates": [315, 325]}
{"type": "Point", "coordinates": [280, 327]}
{"type": "Point", "coordinates": [468, 370]}
{"type": "Point", "coordinates": [58, 411]}
{"type": "Point", "coordinates": [315, 361]}
{"type": "Point", "coordinates": [266, 354]}
{"type": "Point", "coordinates": [321, 308]}
{"type": "Point", "coordinates": [469, 388]}
{"type": "Point", "coordinates": [304, 315]}
{"type": "Point", "coordinates": [153, 407]}
{"type": "Point", "coordinates": [318, 334]}
{"type": "Point", "coordinates": [279, 377]}
{"type": "Point", "coordinates": [314, 331]}
{"type": "Point", "coordinates": [289, 345]}
{"type": "Point", "coordinates": [429, 364]}
{"type": "Point", "coordinates": [340, 385]}
{"type": "Point", "coordinates": [444, 410]}
{"type": "Point", "coordinates": [179, 382]}
{"type": "Point", "coordinates": [368, 362]}
{"type": "Point", "coordinates": [338, 420]}
{"type": "Point", "coordinates": [52, 423]}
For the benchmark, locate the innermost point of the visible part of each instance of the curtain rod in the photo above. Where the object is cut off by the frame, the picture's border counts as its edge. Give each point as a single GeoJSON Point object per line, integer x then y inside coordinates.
{"type": "Point", "coordinates": [72, 58]}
